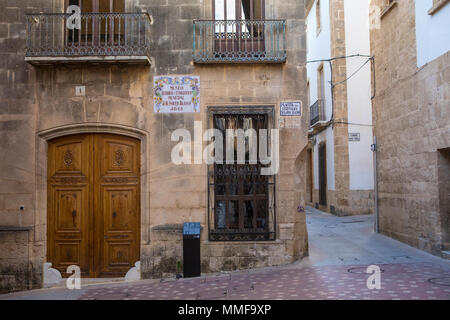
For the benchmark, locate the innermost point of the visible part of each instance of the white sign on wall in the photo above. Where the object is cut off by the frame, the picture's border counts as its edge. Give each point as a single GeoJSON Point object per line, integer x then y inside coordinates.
{"type": "Point", "coordinates": [291, 108]}
{"type": "Point", "coordinates": [176, 94]}
{"type": "Point", "coordinates": [354, 136]}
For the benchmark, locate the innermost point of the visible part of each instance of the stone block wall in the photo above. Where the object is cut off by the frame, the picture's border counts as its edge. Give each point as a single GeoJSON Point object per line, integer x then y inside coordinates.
{"type": "Point", "coordinates": [179, 193]}
{"type": "Point", "coordinates": [412, 123]}
{"type": "Point", "coordinates": [15, 270]}
{"type": "Point", "coordinates": [38, 100]}
{"type": "Point", "coordinates": [17, 148]}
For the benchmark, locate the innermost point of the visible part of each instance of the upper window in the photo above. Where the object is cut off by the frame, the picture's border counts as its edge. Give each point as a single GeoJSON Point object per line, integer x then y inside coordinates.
{"type": "Point", "coordinates": [238, 26]}
{"type": "Point", "coordinates": [102, 6]}
{"type": "Point", "coordinates": [100, 28]}
{"type": "Point", "coordinates": [388, 5]}
{"type": "Point", "coordinates": [239, 33]}
{"type": "Point", "coordinates": [238, 9]}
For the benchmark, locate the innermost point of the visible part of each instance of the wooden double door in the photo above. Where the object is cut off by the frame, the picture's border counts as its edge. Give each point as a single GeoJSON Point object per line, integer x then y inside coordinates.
{"type": "Point", "coordinates": [94, 204]}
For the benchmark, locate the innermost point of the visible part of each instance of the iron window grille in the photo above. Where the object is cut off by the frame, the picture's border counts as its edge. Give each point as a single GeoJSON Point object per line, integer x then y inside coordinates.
{"type": "Point", "coordinates": [241, 201]}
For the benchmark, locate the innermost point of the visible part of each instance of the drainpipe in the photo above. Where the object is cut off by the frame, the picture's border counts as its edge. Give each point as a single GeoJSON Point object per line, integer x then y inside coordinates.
{"type": "Point", "coordinates": [375, 181]}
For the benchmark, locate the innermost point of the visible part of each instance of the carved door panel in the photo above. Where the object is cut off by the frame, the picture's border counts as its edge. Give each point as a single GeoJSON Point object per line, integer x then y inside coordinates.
{"type": "Point", "coordinates": [94, 204]}
{"type": "Point", "coordinates": [68, 203]}
{"type": "Point", "coordinates": [117, 197]}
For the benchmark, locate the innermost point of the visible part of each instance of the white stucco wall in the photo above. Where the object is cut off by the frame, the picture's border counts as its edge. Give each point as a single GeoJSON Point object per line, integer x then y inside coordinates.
{"type": "Point", "coordinates": [357, 41]}
{"type": "Point", "coordinates": [358, 90]}
{"type": "Point", "coordinates": [319, 48]}
{"type": "Point", "coordinates": [432, 32]}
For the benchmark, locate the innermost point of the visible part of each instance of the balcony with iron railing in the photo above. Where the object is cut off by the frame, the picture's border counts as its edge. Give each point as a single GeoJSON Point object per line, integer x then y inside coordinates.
{"type": "Point", "coordinates": [317, 113]}
{"type": "Point", "coordinates": [239, 41]}
{"type": "Point", "coordinates": [99, 37]}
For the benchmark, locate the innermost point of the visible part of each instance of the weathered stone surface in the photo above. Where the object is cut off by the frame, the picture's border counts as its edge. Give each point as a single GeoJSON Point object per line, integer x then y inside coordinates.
{"type": "Point", "coordinates": [412, 125]}
{"type": "Point", "coordinates": [119, 98]}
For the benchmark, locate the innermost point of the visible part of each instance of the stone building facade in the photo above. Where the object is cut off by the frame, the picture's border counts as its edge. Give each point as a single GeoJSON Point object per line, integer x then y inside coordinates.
{"type": "Point", "coordinates": [412, 120]}
{"type": "Point", "coordinates": [340, 161]}
{"type": "Point", "coordinates": [83, 148]}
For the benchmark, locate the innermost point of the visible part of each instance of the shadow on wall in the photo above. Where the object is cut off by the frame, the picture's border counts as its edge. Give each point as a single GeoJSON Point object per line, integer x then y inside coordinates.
{"type": "Point", "coordinates": [444, 196]}
{"type": "Point", "coordinates": [300, 189]}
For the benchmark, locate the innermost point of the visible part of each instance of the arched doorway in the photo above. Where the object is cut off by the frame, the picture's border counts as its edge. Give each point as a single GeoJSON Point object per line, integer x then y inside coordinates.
{"type": "Point", "coordinates": [93, 205]}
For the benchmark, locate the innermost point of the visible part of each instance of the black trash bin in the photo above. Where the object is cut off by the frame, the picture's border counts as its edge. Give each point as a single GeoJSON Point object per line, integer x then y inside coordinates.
{"type": "Point", "coordinates": [191, 249]}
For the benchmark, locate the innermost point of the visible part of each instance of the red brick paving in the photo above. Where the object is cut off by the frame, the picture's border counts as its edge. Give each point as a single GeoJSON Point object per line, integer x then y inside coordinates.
{"type": "Point", "coordinates": [418, 281]}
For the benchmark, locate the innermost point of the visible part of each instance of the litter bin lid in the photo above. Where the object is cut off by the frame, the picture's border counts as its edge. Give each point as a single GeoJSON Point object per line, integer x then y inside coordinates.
{"type": "Point", "coordinates": [191, 228]}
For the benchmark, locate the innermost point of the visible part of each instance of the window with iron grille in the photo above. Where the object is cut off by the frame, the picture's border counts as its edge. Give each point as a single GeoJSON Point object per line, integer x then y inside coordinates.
{"type": "Point", "coordinates": [241, 200]}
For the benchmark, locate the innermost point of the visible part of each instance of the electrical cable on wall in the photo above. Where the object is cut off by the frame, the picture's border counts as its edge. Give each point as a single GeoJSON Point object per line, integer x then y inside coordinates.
{"type": "Point", "coordinates": [333, 85]}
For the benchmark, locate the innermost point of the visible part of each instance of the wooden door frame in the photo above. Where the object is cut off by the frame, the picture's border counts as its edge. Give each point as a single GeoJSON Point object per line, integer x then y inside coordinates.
{"type": "Point", "coordinates": [40, 199]}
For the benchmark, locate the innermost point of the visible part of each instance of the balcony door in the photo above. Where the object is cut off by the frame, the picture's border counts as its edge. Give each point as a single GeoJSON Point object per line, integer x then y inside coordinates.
{"type": "Point", "coordinates": [239, 26]}
{"type": "Point", "coordinates": [98, 25]}
{"type": "Point", "coordinates": [102, 6]}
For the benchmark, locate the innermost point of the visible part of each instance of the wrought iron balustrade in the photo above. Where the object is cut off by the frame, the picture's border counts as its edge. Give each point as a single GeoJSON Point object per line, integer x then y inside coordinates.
{"type": "Point", "coordinates": [102, 35]}
{"type": "Point", "coordinates": [239, 41]}
{"type": "Point", "coordinates": [317, 112]}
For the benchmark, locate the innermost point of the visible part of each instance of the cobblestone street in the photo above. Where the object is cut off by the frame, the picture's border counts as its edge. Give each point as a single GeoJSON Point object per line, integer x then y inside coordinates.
{"type": "Point", "coordinates": [340, 251]}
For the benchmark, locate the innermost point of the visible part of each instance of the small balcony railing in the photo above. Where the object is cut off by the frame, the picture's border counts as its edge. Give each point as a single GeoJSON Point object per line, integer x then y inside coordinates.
{"type": "Point", "coordinates": [102, 37]}
{"type": "Point", "coordinates": [317, 112]}
{"type": "Point", "coordinates": [239, 41]}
